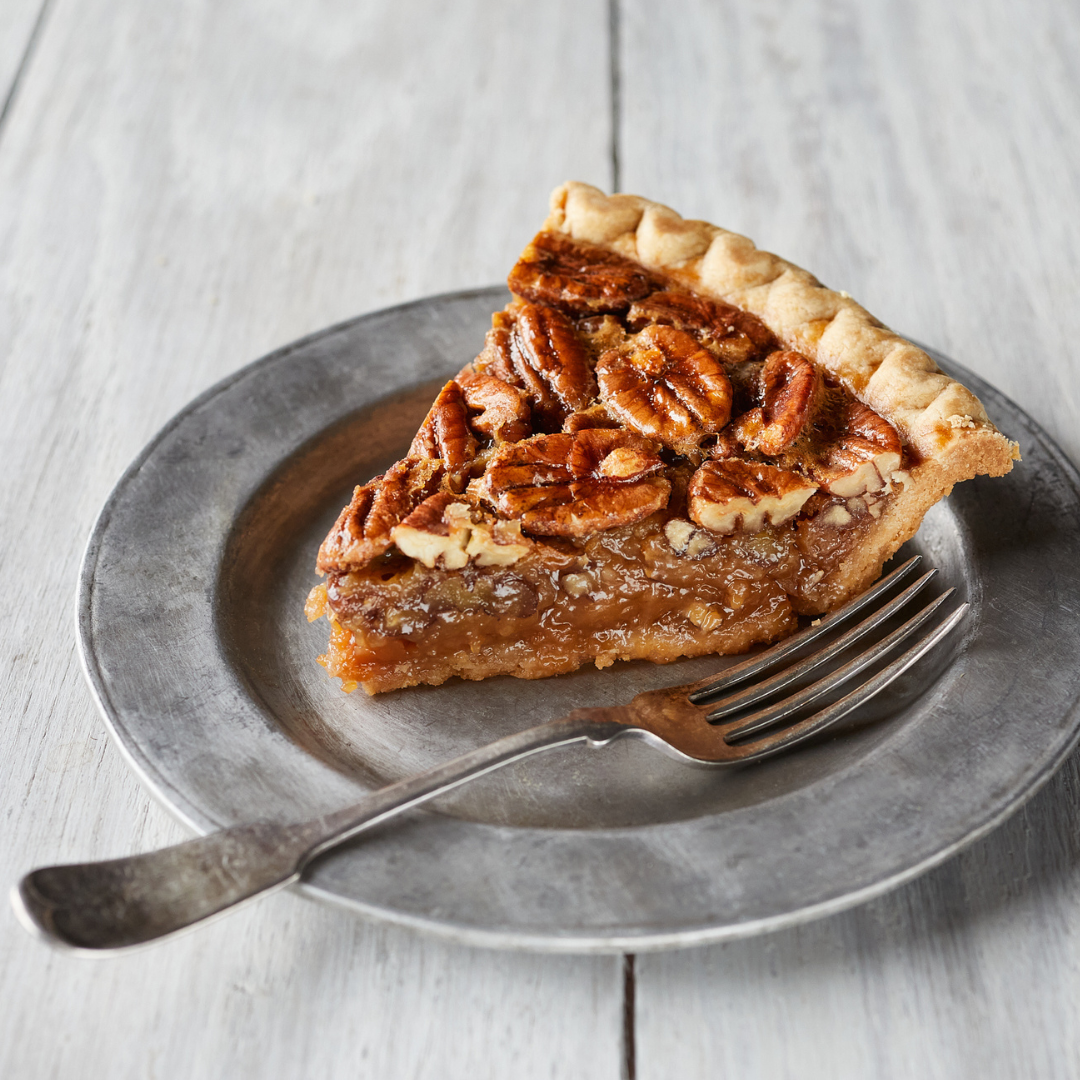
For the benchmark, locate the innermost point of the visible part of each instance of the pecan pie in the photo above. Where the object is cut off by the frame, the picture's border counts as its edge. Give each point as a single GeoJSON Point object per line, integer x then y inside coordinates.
{"type": "Point", "coordinates": [671, 444]}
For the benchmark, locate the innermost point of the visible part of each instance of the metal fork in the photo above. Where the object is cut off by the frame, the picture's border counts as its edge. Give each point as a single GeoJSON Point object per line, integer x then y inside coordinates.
{"type": "Point", "coordinates": [121, 903]}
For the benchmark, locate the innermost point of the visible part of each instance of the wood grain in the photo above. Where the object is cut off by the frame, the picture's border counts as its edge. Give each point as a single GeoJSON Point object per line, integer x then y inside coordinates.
{"type": "Point", "coordinates": [184, 185]}
{"type": "Point", "coordinates": [971, 971]}
{"type": "Point", "coordinates": [925, 158]}
{"type": "Point", "coordinates": [20, 22]}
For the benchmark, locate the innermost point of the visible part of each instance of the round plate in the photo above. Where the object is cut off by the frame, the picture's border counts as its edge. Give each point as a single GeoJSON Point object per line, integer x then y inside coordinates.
{"type": "Point", "coordinates": [195, 643]}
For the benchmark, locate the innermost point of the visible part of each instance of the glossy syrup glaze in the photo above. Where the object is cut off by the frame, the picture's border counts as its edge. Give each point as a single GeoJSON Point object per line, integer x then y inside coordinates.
{"type": "Point", "coordinates": [627, 470]}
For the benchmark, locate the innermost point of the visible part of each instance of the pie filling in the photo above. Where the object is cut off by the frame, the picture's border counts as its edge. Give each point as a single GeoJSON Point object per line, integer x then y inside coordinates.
{"type": "Point", "coordinates": [627, 470]}
{"type": "Point", "coordinates": [659, 589]}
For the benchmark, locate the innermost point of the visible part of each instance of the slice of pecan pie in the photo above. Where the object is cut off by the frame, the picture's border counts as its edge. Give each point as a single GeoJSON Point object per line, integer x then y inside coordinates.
{"type": "Point", "coordinates": [671, 444]}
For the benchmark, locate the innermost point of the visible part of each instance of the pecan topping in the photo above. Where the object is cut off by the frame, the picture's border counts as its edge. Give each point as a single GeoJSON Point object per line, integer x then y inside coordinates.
{"type": "Point", "coordinates": [444, 531]}
{"type": "Point", "coordinates": [362, 530]}
{"type": "Point", "coordinates": [444, 435]}
{"type": "Point", "coordinates": [503, 409]}
{"type": "Point", "coordinates": [429, 535]}
{"type": "Point", "coordinates": [735, 334]}
{"type": "Point", "coordinates": [789, 390]}
{"type": "Point", "coordinates": [430, 516]}
{"type": "Point", "coordinates": [578, 278]}
{"type": "Point", "coordinates": [690, 540]}
{"type": "Point", "coordinates": [725, 496]}
{"type": "Point", "coordinates": [861, 453]}
{"type": "Point", "coordinates": [665, 385]}
{"type": "Point", "coordinates": [601, 332]}
{"type": "Point", "coordinates": [576, 484]}
{"type": "Point", "coordinates": [538, 349]}
{"type": "Point", "coordinates": [596, 416]}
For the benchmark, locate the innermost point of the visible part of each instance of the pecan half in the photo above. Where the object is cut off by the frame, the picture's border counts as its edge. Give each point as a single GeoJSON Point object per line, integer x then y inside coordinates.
{"type": "Point", "coordinates": [861, 454]}
{"type": "Point", "coordinates": [444, 435]}
{"type": "Point", "coordinates": [362, 530]}
{"type": "Point", "coordinates": [731, 495]}
{"type": "Point", "coordinates": [445, 531]}
{"type": "Point", "coordinates": [735, 334]}
{"type": "Point", "coordinates": [789, 389]}
{"type": "Point", "coordinates": [663, 384]}
{"type": "Point", "coordinates": [539, 350]}
{"type": "Point", "coordinates": [595, 416]}
{"type": "Point", "coordinates": [429, 534]}
{"type": "Point", "coordinates": [578, 278]}
{"type": "Point", "coordinates": [575, 484]}
{"type": "Point", "coordinates": [503, 409]}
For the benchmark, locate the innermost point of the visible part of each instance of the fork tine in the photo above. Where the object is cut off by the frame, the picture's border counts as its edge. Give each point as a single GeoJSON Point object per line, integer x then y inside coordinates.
{"type": "Point", "coordinates": [747, 669]}
{"type": "Point", "coordinates": [774, 744]}
{"type": "Point", "coordinates": [759, 690]}
{"type": "Point", "coordinates": [772, 714]}
{"type": "Point", "coordinates": [743, 699]}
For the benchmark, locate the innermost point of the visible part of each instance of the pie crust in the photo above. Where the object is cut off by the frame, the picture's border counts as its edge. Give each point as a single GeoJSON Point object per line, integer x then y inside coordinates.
{"type": "Point", "coordinates": [672, 444]}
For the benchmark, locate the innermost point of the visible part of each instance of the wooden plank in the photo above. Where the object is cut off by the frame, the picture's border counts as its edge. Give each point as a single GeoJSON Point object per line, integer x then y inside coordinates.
{"type": "Point", "coordinates": [921, 156]}
{"type": "Point", "coordinates": [183, 186]}
{"type": "Point", "coordinates": [293, 989]}
{"type": "Point", "coordinates": [925, 158]}
{"type": "Point", "coordinates": [20, 25]}
{"type": "Point", "coordinates": [971, 971]}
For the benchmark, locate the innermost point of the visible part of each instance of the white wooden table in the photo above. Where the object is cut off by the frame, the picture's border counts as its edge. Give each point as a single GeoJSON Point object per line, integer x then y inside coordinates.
{"type": "Point", "coordinates": [186, 184]}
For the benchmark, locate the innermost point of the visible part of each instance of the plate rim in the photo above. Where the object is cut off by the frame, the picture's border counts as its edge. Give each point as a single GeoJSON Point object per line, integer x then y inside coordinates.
{"type": "Point", "coordinates": [175, 802]}
{"type": "Point", "coordinates": [84, 590]}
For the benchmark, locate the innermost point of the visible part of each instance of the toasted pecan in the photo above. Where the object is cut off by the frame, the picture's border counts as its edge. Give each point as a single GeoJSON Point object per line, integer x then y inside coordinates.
{"type": "Point", "coordinates": [575, 484]}
{"type": "Point", "coordinates": [859, 454]}
{"type": "Point", "coordinates": [538, 349]}
{"type": "Point", "coordinates": [445, 531]}
{"type": "Point", "coordinates": [789, 388]}
{"type": "Point", "coordinates": [732, 495]}
{"type": "Point", "coordinates": [503, 410]}
{"type": "Point", "coordinates": [444, 435]}
{"type": "Point", "coordinates": [733, 333]}
{"type": "Point", "coordinates": [578, 278]}
{"type": "Point", "coordinates": [362, 530]}
{"type": "Point", "coordinates": [663, 384]}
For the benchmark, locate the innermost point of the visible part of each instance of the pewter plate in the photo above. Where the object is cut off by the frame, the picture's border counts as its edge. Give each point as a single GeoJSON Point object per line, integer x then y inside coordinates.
{"type": "Point", "coordinates": [195, 644]}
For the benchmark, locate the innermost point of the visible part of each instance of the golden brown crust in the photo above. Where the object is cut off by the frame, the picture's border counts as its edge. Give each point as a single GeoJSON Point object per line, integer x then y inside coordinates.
{"type": "Point", "coordinates": [937, 416]}
{"type": "Point", "coordinates": [940, 420]}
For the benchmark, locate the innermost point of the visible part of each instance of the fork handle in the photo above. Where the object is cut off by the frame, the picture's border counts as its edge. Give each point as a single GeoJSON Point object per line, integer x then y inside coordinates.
{"type": "Point", "coordinates": [102, 906]}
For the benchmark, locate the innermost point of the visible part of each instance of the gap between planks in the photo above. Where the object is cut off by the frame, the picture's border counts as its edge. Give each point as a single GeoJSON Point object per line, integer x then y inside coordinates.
{"type": "Point", "coordinates": [629, 1046]}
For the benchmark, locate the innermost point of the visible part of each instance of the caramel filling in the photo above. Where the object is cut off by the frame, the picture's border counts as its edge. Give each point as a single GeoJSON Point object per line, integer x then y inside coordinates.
{"type": "Point", "coordinates": [627, 470]}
